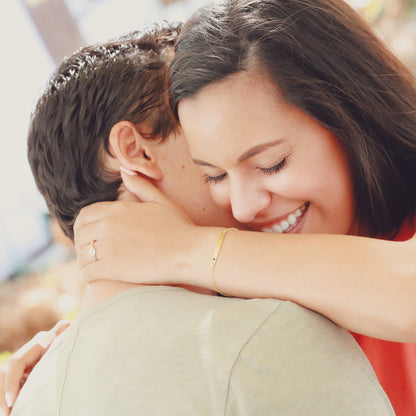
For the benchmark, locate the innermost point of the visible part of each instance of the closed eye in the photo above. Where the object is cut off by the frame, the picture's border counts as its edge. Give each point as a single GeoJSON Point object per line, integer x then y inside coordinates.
{"type": "Point", "coordinates": [274, 169]}
{"type": "Point", "coordinates": [214, 179]}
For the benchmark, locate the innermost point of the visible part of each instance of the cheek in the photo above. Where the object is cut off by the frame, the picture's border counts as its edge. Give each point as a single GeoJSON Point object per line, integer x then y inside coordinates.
{"type": "Point", "coordinates": [340, 186]}
{"type": "Point", "coordinates": [209, 212]}
{"type": "Point", "coordinates": [292, 182]}
{"type": "Point", "coordinates": [221, 196]}
{"type": "Point", "coordinates": [332, 198]}
{"type": "Point", "coordinates": [344, 201]}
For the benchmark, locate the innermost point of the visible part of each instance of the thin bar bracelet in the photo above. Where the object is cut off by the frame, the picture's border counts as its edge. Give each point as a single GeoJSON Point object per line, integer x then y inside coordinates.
{"type": "Point", "coordinates": [215, 258]}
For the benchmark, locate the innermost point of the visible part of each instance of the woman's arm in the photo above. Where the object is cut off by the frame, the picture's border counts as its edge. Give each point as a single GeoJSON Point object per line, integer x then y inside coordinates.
{"type": "Point", "coordinates": [365, 285]}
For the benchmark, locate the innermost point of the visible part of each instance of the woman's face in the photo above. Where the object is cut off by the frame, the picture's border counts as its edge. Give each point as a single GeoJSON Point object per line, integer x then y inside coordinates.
{"type": "Point", "coordinates": [277, 169]}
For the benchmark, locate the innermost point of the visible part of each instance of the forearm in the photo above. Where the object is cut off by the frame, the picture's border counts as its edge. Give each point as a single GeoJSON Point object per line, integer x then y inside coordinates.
{"type": "Point", "coordinates": [365, 285]}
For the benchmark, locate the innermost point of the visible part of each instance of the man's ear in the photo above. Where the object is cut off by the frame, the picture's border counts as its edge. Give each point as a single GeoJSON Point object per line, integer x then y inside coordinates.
{"type": "Point", "coordinates": [133, 151]}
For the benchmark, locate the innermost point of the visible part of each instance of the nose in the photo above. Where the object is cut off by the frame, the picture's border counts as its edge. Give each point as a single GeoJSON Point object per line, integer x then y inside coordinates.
{"type": "Point", "coordinates": [247, 200]}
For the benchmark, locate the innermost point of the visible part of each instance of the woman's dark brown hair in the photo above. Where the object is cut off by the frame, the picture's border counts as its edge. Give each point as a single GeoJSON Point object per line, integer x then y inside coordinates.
{"type": "Point", "coordinates": [325, 60]}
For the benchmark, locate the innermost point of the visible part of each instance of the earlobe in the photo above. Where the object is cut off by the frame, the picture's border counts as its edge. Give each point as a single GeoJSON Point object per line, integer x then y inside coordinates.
{"type": "Point", "coordinates": [133, 151]}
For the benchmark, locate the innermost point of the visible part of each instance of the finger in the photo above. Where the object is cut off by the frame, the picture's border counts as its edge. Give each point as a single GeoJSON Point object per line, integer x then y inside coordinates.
{"type": "Point", "coordinates": [90, 272]}
{"type": "Point", "coordinates": [89, 266]}
{"type": "Point", "coordinates": [15, 371]}
{"type": "Point", "coordinates": [44, 339]}
{"type": "Point", "coordinates": [23, 359]}
{"type": "Point", "coordinates": [27, 357]}
{"type": "Point", "coordinates": [83, 239]}
{"type": "Point", "coordinates": [4, 409]}
{"type": "Point", "coordinates": [84, 242]}
{"type": "Point", "coordinates": [61, 326]}
{"type": "Point", "coordinates": [143, 189]}
{"type": "Point", "coordinates": [13, 377]}
{"type": "Point", "coordinates": [94, 213]}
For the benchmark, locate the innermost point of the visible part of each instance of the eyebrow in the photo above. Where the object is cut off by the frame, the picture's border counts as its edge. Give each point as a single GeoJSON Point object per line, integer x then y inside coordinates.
{"type": "Point", "coordinates": [255, 150]}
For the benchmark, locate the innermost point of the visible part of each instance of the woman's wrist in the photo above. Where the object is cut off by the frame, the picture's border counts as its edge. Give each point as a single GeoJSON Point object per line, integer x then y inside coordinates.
{"type": "Point", "coordinates": [193, 262]}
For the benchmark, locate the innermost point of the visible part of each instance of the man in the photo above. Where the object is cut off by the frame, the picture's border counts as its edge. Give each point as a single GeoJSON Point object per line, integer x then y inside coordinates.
{"type": "Point", "coordinates": [156, 350]}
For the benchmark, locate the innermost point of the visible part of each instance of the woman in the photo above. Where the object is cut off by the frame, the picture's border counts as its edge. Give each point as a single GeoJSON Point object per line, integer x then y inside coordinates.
{"type": "Point", "coordinates": [328, 147]}
{"type": "Point", "coordinates": [303, 122]}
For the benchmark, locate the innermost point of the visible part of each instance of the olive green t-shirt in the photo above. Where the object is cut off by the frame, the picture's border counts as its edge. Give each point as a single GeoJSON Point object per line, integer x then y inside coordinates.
{"type": "Point", "coordinates": [167, 351]}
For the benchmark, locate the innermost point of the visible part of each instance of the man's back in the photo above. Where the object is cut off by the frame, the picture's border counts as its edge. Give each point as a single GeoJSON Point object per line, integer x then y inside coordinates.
{"type": "Point", "coordinates": [167, 351]}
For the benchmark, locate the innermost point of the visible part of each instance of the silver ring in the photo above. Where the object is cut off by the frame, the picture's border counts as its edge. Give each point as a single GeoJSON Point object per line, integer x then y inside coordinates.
{"type": "Point", "coordinates": [93, 252]}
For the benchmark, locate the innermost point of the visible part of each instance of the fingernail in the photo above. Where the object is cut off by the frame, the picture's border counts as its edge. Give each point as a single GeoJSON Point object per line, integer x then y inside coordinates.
{"type": "Point", "coordinates": [45, 342]}
{"type": "Point", "coordinates": [9, 400]}
{"type": "Point", "coordinates": [128, 171]}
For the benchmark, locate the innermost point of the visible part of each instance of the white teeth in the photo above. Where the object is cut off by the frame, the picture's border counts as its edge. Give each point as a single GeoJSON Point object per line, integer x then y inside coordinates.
{"type": "Point", "coordinates": [277, 229]}
{"type": "Point", "coordinates": [291, 219]}
{"type": "Point", "coordinates": [288, 222]}
{"type": "Point", "coordinates": [284, 225]}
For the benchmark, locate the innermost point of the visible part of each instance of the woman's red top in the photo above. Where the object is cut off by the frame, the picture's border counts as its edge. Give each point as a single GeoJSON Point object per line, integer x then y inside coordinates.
{"type": "Point", "coordinates": [395, 363]}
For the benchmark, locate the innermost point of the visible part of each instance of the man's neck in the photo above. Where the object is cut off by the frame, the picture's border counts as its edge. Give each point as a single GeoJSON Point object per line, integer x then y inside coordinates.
{"type": "Point", "coordinates": [100, 290]}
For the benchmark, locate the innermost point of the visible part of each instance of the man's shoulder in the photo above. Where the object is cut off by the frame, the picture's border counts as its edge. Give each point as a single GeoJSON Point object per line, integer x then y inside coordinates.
{"type": "Point", "coordinates": [299, 362]}
{"type": "Point", "coordinates": [169, 311]}
{"type": "Point", "coordinates": [162, 348]}
{"type": "Point", "coordinates": [172, 303]}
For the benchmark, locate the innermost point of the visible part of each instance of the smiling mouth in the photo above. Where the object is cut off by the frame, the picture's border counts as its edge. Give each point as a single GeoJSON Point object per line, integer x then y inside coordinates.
{"type": "Point", "coordinates": [287, 224]}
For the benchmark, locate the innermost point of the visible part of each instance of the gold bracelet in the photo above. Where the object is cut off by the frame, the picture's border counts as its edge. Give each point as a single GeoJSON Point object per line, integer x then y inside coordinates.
{"type": "Point", "coordinates": [215, 258]}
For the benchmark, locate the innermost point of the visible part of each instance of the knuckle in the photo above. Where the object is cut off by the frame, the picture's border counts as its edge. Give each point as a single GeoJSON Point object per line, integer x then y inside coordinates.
{"type": "Point", "coordinates": [101, 226]}
{"type": "Point", "coordinates": [39, 336]}
{"type": "Point", "coordinates": [12, 365]}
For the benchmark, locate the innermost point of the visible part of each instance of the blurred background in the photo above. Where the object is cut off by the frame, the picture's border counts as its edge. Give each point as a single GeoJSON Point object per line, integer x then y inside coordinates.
{"type": "Point", "coordinates": [38, 274]}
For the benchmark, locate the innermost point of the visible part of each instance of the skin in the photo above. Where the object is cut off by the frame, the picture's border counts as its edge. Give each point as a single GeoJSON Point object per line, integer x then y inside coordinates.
{"type": "Point", "coordinates": [274, 167]}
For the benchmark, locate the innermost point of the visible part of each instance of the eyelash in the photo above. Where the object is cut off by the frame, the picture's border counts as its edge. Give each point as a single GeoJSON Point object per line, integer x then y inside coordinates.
{"type": "Point", "coordinates": [274, 169]}
{"type": "Point", "coordinates": [267, 171]}
{"type": "Point", "coordinates": [214, 179]}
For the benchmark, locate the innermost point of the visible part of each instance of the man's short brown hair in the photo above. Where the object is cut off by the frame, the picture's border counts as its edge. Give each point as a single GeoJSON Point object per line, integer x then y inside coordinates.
{"type": "Point", "coordinates": [92, 90]}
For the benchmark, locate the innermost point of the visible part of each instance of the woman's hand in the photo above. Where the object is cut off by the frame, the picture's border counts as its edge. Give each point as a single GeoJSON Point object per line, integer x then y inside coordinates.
{"type": "Point", "coordinates": [133, 242]}
{"type": "Point", "coordinates": [22, 362]}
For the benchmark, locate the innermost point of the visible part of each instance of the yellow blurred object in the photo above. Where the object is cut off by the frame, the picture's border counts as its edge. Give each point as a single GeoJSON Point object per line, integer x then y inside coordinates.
{"type": "Point", "coordinates": [374, 9]}
{"type": "Point", "coordinates": [4, 356]}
